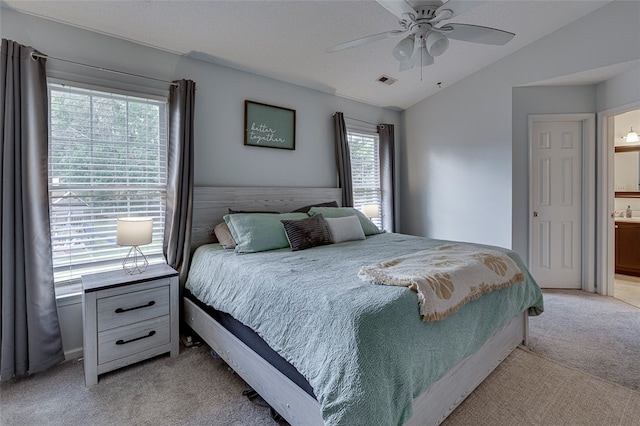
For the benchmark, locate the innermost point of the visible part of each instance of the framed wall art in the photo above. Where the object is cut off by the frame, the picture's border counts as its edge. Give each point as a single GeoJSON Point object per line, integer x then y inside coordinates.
{"type": "Point", "coordinates": [269, 126]}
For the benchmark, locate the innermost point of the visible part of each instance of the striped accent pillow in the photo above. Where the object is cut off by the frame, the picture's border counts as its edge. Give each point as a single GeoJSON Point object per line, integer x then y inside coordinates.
{"type": "Point", "coordinates": [306, 233]}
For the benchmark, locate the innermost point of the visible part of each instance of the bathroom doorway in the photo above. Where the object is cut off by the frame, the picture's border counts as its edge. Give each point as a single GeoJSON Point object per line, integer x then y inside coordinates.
{"type": "Point", "coordinates": [626, 205]}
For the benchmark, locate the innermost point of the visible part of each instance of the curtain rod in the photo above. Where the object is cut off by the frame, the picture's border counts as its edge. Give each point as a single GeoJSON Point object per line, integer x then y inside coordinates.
{"type": "Point", "coordinates": [362, 121]}
{"type": "Point", "coordinates": [35, 57]}
{"type": "Point", "coordinates": [381, 126]}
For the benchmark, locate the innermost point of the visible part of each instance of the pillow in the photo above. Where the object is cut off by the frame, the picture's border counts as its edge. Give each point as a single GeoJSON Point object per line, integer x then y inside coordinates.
{"type": "Point", "coordinates": [259, 232]}
{"type": "Point", "coordinates": [224, 236]}
{"type": "Point", "coordinates": [305, 209]}
{"type": "Point", "coordinates": [346, 228]}
{"type": "Point", "coordinates": [368, 227]}
{"type": "Point", "coordinates": [306, 233]}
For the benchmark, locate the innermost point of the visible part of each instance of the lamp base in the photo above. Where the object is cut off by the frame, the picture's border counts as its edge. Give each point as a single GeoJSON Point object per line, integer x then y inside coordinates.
{"type": "Point", "coordinates": [135, 262]}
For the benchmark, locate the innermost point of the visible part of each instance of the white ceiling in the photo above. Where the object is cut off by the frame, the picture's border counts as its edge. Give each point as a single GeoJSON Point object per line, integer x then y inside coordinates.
{"type": "Point", "coordinates": [286, 40]}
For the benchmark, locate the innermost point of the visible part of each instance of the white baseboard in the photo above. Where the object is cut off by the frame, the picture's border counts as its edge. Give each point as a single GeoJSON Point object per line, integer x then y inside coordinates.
{"type": "Point", "coordinates": [75, 353]}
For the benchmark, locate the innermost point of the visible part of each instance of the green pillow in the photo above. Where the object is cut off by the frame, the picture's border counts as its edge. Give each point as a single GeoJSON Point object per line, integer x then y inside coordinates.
{"type": "Point", "coordinates": [368, 227]}
{"type": "Point", "coordinates": [254, 232]}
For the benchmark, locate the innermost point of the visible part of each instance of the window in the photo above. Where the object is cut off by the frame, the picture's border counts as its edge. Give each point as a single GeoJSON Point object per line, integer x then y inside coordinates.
{"type": "Point", "coordinates": [365, 170]}
{"type": "Point", "coordinates": [107, 159]}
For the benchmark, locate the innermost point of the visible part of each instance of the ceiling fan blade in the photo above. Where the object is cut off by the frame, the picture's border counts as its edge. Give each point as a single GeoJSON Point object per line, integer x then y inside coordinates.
{"type": "Point", "coordinates": [477, 34]}
{"type": "Point", "coordinates": [459, 6]}
{"type": "Point", "coordinates": [441, 15]}
{"type": "Point", "coordinates": [400, 8]}
{"type": "Point", "coordinates": [425, 58]}
{"type": "Point", "coordinates": [405, 66]}
{"type": "Point", "coordinates": [364, 40]}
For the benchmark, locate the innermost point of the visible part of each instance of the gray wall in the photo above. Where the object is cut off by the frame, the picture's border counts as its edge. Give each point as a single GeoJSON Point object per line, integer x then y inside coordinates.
{"type": "Point", "coordinates": [621, 90]}
{"type": "Point", "coordinates": [221, 159]}
{"type": "Point", "coordinates": [538, 100]}
{"type": "Point", "coordinates": [464, 171]}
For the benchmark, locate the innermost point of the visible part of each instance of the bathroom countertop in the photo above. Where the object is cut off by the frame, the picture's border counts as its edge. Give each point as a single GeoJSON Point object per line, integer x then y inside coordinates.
{"type": "Point", "coordinates": [628, 219]}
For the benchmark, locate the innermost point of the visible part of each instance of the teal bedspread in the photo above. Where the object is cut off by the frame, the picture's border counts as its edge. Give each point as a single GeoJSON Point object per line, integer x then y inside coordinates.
{"type": "Point", "coordinates": [362, 347]}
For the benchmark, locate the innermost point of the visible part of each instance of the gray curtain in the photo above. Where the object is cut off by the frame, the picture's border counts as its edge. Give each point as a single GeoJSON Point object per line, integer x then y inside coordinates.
{"type": "Point", "coordinates": [387, 172]}
{"type": "Point", "coordinates": [343, 159]}
{"type": "Point", "coordinates": [30, 339]}
{"type": "Point", "coordinates": [177, 223]}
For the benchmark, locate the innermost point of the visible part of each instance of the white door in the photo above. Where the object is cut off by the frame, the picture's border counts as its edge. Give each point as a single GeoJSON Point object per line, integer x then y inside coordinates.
{"type": "Point", "coordinates": [556, 207]}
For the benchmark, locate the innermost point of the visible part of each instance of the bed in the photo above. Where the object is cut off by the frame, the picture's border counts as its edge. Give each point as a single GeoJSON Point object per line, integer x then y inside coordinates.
{"type": "Point", "coordinates": [353, 352]}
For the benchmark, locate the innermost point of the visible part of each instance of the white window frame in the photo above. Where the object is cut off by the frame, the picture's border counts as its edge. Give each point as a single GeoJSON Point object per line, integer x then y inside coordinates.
{"type": "Point", "coordinates": [365, 170]}
{"type": "Point", "coordinates": [108, 256]}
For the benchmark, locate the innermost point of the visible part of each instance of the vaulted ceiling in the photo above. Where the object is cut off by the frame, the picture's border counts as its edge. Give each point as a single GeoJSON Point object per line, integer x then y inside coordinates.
{"type": "Point", "coordinates": [286, 40]}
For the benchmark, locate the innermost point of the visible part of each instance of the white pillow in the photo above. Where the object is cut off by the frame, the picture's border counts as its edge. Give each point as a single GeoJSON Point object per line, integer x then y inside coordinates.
{"type": "Point", "coordinates": [346, 228]}
{"type": "Point", "coordinates": [224, 236]}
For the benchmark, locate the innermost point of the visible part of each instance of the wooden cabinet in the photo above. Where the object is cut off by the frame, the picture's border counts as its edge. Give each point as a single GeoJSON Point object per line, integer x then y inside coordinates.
{"type": "Point", "coordinates": [628, 248]}
{"type": "Point", "coordinates": [128, 318]}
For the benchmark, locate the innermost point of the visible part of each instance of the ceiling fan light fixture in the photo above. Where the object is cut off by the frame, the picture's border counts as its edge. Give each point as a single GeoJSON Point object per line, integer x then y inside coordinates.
{"type": "Point", "coordinates": [425, 39]}
{"type": "Point", "coordinates": [436, 43]}
{"type": "Point", "coordinates": [632, 137]}
{"type": "Point", "coordinates": [403, 50]}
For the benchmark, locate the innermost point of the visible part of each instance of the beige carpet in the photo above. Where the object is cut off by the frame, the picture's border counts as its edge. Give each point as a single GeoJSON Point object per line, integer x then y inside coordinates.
{"type": "Point", "coordinates": [596, 334]}
{"type": "Point", "coordinates": [195, 389]}
{"type": "Point", "coordinates": [527, 389]}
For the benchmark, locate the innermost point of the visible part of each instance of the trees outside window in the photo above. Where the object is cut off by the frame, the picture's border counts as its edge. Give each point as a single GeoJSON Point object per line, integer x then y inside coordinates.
{"type": "Point", "coordinates": [107, 159]}
{"type": "Point", "coordinates": [365, 170]}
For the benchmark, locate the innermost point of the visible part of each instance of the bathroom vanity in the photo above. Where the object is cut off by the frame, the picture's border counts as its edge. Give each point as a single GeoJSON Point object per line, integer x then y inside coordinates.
{"type": "Point", "coordinates": [628, 246]}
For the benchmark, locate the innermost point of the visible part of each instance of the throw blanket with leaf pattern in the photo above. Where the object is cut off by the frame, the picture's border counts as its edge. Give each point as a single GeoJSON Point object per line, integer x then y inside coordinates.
{"type": "Point", "coordinates": [446, 277]}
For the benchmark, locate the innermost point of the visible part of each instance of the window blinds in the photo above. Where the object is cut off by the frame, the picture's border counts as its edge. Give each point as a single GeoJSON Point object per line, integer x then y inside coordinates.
{"type": "Point", "coordinates": [365, 169]}
{"type": "Point", "coordinates": [107, 159]}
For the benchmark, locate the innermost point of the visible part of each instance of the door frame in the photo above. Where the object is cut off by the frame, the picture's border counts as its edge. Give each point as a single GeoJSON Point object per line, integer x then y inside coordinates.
{"type": "Point", "coordinates": [605, 253]}
{"type": "Point", "coordinates": [588, 205]}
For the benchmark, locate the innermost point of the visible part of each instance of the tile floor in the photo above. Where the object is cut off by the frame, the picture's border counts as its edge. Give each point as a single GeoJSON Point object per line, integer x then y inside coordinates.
{"type": "Point", "coordinates": [627, 289]}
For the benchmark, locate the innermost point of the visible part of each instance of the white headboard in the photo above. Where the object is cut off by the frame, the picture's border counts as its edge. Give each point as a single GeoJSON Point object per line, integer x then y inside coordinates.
{"type": "Point", "coordinates": [211, 203]}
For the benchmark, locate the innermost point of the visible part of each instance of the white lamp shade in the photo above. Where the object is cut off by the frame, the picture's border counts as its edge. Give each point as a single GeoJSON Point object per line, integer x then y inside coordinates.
{"type": "Point", "coordinates": [632, 137]}
{"type": "Point", "coordinates": [134, 231]}
{"type": "Point", "coordinates": [436, 43]}
{"type": "Point", "coordinates": [402, 51]}
{"type": "Point", "coordinates": [371, 211]}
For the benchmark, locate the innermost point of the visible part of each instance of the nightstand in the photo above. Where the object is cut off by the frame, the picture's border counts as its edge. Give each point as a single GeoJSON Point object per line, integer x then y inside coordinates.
{"type": "Point", "coordinates": [128, 318]}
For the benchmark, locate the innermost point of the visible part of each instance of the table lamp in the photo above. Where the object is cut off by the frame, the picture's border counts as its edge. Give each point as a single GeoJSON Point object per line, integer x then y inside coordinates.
{"type": "Point", "coordinates": [134, 232]}
{"type": "Point", "coordinates": [371, 211]}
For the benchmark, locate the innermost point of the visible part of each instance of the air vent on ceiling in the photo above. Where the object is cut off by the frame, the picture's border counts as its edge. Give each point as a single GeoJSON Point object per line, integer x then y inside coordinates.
{"type": "Point", "coordinates": [387, 80]}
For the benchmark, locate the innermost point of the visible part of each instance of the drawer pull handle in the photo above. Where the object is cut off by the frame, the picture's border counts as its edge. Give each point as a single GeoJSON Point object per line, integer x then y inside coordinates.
{"type": "Point", "coordinates": [124, 342]}
{"type": "Point", "coordinates": [121, 310]}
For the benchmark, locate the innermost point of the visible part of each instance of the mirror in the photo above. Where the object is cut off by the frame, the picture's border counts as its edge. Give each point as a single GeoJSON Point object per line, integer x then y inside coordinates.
{"type": "Point", "coordinates": [627, 173]}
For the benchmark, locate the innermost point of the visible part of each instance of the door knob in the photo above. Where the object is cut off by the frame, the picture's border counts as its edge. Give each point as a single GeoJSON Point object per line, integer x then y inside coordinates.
{"type": "Point", "coordinates": [535, 214]}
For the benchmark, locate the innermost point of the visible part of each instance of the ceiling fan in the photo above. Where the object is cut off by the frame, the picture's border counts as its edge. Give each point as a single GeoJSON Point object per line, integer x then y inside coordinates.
{"type": "Point", "coordinates": [424, 40]}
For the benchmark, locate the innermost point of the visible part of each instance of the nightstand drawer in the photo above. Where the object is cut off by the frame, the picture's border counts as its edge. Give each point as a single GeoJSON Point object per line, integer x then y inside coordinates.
{"type": "Point", "coordinates": [127, 308]}
{"type": "Point", "coordinates": [123, 341]}
{"type": "Point", "coordinates": [128, 318]}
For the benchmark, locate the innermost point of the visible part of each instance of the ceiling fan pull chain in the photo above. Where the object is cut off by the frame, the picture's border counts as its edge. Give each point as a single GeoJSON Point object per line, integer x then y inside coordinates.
{"type": "Point", "coordinates": [421, 57]}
